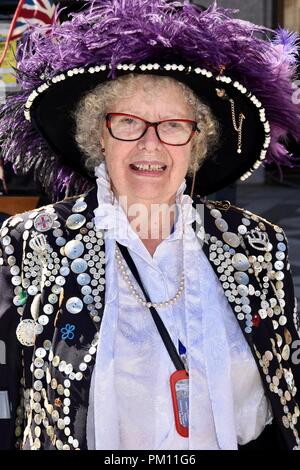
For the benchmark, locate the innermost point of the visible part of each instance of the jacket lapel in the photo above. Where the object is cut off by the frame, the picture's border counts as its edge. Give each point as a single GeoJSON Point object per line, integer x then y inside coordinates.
{"type": "Point", "coordinates": [231, 265]}
{"type": "Point", "coordinates": [74, 346]}
{"type": "Point", "coordinates": [246, 286]}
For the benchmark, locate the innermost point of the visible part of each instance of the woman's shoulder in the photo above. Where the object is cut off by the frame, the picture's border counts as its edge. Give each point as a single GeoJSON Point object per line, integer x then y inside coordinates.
{"type": "Point", "coordinates": [241, 220]}
{"type": "Point", "coordinates": [51, 221]}
{"type": "Point", "coordinates": [238, 227]}
{"type": "Point", "coordinates": [40, 218]}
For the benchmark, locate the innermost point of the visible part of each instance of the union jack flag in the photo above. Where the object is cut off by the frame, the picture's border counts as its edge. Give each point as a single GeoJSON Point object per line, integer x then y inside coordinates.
{"type": "Point", "coordinates": [29, 12]}
{"type": "Point", "coordinates": [32, 12]}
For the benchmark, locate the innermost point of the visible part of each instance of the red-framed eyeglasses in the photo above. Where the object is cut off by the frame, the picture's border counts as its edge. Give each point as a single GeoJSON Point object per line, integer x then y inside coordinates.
{"type": "Point", "coordinates": [128, 127]}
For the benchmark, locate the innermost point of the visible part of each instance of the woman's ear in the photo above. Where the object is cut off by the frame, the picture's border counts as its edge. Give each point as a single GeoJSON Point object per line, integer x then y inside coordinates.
{"type": "Point", "coordinates": [102, 145]}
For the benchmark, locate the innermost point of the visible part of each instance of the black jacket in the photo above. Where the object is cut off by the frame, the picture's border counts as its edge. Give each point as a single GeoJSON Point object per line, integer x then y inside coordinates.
{"type": "Point", "coordinates": [46, 385]}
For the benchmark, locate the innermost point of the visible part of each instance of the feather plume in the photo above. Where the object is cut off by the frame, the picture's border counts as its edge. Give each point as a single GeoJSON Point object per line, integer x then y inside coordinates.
{"type": "Point", "coordinates": [136, 30]}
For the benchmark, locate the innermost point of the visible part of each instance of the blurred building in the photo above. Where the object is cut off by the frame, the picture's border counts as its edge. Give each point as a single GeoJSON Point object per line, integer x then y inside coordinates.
{"type": "Point", "coordinates": [289, 14]}
{"type": "Point", "coordinates": [270, 13]}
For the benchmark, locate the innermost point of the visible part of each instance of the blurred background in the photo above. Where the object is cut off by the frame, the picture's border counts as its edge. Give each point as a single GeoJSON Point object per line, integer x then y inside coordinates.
{"type": "Point", "coordinates": [270, 194]}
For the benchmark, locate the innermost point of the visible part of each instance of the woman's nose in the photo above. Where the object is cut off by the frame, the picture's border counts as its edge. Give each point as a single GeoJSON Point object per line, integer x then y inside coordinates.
{"type": "Point", "coordinates": [150, 140]}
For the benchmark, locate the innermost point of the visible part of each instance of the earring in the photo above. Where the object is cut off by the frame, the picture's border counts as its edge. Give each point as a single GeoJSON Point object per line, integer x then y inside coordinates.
{"type": "Point", "coordinates": [102, 149]}
{"type": "Point", "coordinates": [193, 182]}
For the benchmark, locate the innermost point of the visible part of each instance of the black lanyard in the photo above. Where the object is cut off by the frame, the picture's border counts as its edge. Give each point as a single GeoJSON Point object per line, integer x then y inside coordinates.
{"type": "Point", "coordinates": [176, 359]}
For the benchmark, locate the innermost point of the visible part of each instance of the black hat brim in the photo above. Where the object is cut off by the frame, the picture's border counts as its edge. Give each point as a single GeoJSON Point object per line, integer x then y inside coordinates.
{"type": "Point", "coordinates": [52, 114]}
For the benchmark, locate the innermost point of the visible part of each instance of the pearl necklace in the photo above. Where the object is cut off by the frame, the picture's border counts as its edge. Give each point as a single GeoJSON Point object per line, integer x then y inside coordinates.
{"type": "Point", "coordinates": [125, 274]}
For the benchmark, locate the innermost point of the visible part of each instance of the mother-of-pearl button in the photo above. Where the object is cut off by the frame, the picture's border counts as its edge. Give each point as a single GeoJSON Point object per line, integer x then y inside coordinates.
{"type": "Point", "coordinates": [241, 278]}
{"type": "Point", "coordinates": [216, 213]}
{"type": "Point", "coordinates": [26, 332]}
{"type": "Point", "coordinates": [221, 224]}
{"type": "Point", "coordinates": [64, 271]}
{"type": "Point", "coordinates": [74, 305]}
{"type": "Point", "coordinates": [240, 262]}
{"type": "Point", "coordinates": [32, 290]}
{"type": "Point", "coordinates": [60, 241]}
{"type": "Point", "coordinates": [279, 265]}
{"type": "Point", "coordinates": [83, 279]}
{"type": "Point", "coordinates": [79, 206]}
{"type": "Point", "coordinates": [79, 265]}
{"type": "Point", "coordinates": [242, 290]}
{"type": "Point", "coordinates": [231, 239]}
{"type": "Point", "coordinates": [75, 221]}
{"type": "Point", "coordinates": [74, 249]}
{"type": "Point", "coordinates": [86, 290]}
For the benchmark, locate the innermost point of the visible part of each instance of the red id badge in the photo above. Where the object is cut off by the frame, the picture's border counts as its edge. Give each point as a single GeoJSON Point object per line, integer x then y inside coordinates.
{"type": "Point", "coordinates": [179, 382]}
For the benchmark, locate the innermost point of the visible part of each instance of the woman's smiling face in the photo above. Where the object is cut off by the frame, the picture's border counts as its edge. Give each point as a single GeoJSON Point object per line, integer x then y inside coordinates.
{"type": "Point", "coordinates": [121, 157]}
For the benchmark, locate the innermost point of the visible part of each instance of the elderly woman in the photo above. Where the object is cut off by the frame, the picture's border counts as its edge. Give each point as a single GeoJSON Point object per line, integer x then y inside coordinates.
{"type": "Point", "coordinates": [150, 131]}
{"type": "Point", "coordinates": [134, 316]}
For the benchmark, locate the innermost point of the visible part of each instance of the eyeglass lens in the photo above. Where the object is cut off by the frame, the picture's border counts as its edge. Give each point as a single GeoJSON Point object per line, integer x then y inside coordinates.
{"type": "Point", "coordinates": [176, 132]}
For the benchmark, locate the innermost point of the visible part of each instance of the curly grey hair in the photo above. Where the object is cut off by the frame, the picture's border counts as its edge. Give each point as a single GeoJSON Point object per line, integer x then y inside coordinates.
{"type": "Point", "coordinates": [93, 106]}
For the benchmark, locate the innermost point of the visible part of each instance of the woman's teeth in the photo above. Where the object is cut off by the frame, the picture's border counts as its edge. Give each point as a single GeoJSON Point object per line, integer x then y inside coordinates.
{"type": "Point", "coordinates": [148, 167]}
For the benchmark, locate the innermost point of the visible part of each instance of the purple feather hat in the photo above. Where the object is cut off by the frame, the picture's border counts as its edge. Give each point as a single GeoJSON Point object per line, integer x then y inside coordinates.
{"type": "Point", "coordinates": [221, 58]}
